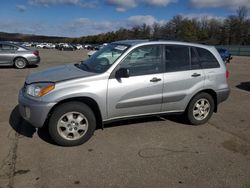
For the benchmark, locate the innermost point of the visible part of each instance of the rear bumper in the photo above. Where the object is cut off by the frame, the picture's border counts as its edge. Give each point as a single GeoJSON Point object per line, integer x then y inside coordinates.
{"type": "Point", "coordinates": [34, 60]}
{"type": "Point", "coordinates": [222, 95]}
{"type": "Point", "coordinates": [35, 112]}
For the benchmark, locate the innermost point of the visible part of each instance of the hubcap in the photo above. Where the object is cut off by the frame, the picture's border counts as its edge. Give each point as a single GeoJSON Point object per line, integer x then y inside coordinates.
{"type": "Point", "coordinates": [72, 126]}
{"type": "Point", "coordinates": [201, 109]}
{"type": "Point", "coordinates": [20, 63]}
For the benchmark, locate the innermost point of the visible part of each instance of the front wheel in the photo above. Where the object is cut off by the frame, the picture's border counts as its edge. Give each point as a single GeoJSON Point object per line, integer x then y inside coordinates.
{"type": "Point", "coordinates": [72, 124]}
{"type": "Point", "coordinates": [200, 109]}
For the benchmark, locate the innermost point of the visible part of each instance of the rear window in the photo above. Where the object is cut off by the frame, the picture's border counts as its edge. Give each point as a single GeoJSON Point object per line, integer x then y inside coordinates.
{"type": "Point", "coordinates": [177, 58]}
{"type": "Point", "coordinates": [207, 59]}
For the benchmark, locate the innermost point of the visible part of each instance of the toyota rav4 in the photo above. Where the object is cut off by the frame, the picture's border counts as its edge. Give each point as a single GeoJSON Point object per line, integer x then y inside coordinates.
{"type": "Point", "coordinates": [125, 79]}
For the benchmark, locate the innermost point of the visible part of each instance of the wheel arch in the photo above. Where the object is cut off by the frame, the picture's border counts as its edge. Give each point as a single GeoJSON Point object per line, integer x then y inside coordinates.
{"type": "Point", "coordinates": [91, 103]}
{"type": "Point", "coordinates": [210, 92]}
{"type": "Point", "coordinates": [19, 57]}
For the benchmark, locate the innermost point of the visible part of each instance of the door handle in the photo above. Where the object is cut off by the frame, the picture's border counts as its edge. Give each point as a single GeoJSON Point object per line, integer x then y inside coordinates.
{"type": "Point", "coordinates": [155, 79]}
{"type": "Point", "coordinates": [196, 75]}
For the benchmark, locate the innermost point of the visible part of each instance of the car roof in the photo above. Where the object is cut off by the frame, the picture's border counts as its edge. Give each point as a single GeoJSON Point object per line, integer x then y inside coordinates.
{"type": "Point", "coordinates": [131, 42]}
{"type": "Point", "coordinates": [138, 42]}
{"type": "Point", "coordinates": [16, 45]}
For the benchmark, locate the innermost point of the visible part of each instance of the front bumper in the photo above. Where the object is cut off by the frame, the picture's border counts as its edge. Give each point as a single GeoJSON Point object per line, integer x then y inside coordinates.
{"type": "Point", "coordinates": [35, 112]}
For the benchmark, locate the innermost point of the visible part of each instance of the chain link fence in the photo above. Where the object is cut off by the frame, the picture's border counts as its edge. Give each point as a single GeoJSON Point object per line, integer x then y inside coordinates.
{"type": "Point", "coordinates": [238, 50]}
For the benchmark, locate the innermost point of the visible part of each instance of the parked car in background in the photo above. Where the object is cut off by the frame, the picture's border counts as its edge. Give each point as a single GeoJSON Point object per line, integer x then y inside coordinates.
{"type": "Point", "coordinates": [125, 79]}
{"type": "Point", "coordinates": [91, 52]}
{"type": "Point", "coordinates": [18, 56]}
{"type": "Point", "coordinates": [26, 44]}
{"type": "Point", "coordinates": [79, 47]}
{"type": "Point", "coordinates": [225, 54]}
{"type": "Point", "coordinates": [51, 46]}
{"type": "Point", "coordinates": [66, 47]}
{"type": "Point", "coordinates": [87, 46]}
{"type": "Point", "coordinates": [43, 45]}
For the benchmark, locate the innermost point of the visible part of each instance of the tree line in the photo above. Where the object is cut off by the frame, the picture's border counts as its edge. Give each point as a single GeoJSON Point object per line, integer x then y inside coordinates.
{"type": "Point", "coordinates": [233, 30]}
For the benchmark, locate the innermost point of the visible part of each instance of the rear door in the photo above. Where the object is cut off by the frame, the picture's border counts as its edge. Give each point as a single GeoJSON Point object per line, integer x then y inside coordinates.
{"type": "Point", "coordinates": [7, 53]}
{"type": "Point", "coordinates": [141, 92]}
{"type": "Point", "coordinates": [214, 75]}
{"type": "Point", "coordinates": [182, 78]}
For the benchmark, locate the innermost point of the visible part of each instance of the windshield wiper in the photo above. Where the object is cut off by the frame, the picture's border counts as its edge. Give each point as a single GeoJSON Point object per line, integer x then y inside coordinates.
{"type": "Point", "coordinates": [83, 66]}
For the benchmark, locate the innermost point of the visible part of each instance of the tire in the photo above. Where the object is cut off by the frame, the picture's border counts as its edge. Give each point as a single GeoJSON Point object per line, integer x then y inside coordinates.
{"type": "Point", "coordinates": [20, 63]}
{"type": "Point", "coordinates": [200, 109]}
{"type": "Point", "coordinates": [72, 124]}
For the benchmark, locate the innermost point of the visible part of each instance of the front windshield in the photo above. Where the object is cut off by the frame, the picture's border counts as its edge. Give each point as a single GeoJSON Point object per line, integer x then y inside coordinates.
{"type": "Point", "coordinates": [102, 60]}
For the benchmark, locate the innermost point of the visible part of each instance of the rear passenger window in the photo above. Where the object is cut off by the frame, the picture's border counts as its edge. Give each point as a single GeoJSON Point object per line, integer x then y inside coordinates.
{"type": "Point", "coordinates": [177, 58]}
{"type": "Point", "coordinates": [207, 59]}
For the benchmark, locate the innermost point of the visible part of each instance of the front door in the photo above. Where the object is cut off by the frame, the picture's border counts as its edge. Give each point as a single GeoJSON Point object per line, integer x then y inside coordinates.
{"type": "Point", "coordinates": [141, 92]}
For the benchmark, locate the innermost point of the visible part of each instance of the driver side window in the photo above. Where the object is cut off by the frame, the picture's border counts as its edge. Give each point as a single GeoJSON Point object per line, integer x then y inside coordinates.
{"type": "Point", "coordinates": [144, 60]}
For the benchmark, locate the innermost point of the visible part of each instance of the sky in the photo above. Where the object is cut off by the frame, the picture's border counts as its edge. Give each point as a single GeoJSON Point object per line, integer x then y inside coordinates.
{"type": "Point", "coordinates": [75, 18]}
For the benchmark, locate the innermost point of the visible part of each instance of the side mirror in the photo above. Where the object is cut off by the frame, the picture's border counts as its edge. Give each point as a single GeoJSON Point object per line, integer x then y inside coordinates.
{"type": "Point", "coordinates": [122, 73]}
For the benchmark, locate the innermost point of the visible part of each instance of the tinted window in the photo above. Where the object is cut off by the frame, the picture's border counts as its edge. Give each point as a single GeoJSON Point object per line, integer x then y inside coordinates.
{"type": "Point", "coordinates": [207, 59]}
{"type": "Point", "coordinates": [143, 60]}
{"type": "Point", "coordinates": [177, 58]}
{"type": "Point", "coordinates": [7, 47]}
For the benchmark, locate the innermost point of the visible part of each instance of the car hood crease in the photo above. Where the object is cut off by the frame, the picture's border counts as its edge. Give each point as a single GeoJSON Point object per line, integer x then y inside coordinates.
{"type": "Point", "coordinates": [57, 74]}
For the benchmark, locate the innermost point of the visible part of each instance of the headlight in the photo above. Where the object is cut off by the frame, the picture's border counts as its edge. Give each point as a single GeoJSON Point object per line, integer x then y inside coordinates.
{"type": "Point", "coordinates": [39, 89]}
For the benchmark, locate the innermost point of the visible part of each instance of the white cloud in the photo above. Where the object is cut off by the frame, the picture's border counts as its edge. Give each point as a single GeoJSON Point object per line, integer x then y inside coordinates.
{"type": "Point", "coordinates": [234, 4]}
{"type": "Point", "coordinates": [141, 19]}
{"type": "Point", "coordinates": [81, 3]}
{"type": "Point", "coordinates": [86, 26]}
{"type": "Point", "coordinates": [202, 16]}
{"type": "Point", "coordinates": [122, 5]}
{"type": "Point", "coordinates": [21, 8]}
{"type": "Point", "coordinates": [77, 27]}
{"type": "Point", "coordinates": [160, 2]}
{"type": "Point", "coordinates": [37, 28]}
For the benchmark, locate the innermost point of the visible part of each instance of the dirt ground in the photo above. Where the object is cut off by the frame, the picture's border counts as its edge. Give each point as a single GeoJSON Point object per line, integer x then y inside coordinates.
{"type": "Point", "coordinates": [149, 152]}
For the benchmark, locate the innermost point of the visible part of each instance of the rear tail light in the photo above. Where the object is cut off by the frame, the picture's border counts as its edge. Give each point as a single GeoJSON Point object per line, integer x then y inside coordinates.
{"type": "Point", "coordinates": [227, 73]}
{"type": "Point", "coordinates": [36, 53]}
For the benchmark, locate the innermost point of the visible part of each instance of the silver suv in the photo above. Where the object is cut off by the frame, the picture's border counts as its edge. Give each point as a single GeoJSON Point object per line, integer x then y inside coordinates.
{"type": "Point", "coordinates": [126, 79]}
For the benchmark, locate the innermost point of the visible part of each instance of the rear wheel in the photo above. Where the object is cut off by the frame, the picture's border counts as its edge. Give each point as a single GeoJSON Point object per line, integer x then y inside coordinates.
{"type": "Point", "coordinates": [200, 109]}
{"type": "Point", "coordinates": [20, 63]}
{"type": "Point", "coordinates": [72, 124]}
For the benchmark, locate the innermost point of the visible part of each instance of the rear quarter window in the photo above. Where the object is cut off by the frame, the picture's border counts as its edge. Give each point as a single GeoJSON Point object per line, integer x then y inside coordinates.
{"type": "Point", "coordinates": [207, 59]}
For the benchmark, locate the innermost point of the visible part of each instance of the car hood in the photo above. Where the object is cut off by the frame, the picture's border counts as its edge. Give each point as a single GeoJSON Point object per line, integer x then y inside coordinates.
{"type": "Point", "coordinates": [59, 73]}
